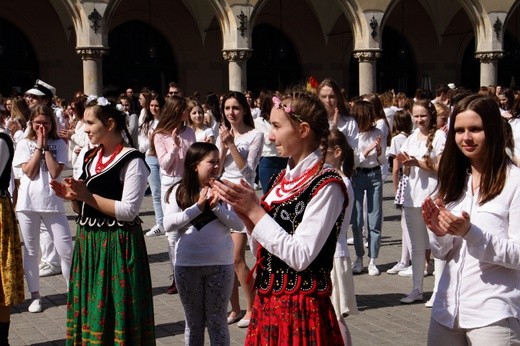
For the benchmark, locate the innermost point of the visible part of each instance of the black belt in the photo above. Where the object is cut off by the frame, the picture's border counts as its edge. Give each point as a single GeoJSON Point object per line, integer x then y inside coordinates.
{"type": "Point", "coordinates": [367, 170]}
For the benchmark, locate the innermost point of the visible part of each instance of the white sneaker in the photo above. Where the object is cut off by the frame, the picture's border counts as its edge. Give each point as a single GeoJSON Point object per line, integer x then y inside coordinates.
{"type": "Point", "coordinates": [372, 270]}
{"type": "Point", "coordinates": [429, 269]}
{"type": "Point", "coordinates": [48, 269]}
{"type": "Point", "coordinates": [155, 230]}
{"type": "Point", "coordinates": [429, 303]}
{"type": "Point", "coordinates": [366, 244]}
{"type": "Point", "coordinates": [400, 266]}
{"type": "Point", "coordinates": [357, 267]}
{"type": "Point", "coordinates": [406, 272]}
{"type": "Point", "coordinates": [350, 241]}
{"type": "Point", "coordinates": [412, 297]}
{"type": "Point", "coordinates": [36, 306]}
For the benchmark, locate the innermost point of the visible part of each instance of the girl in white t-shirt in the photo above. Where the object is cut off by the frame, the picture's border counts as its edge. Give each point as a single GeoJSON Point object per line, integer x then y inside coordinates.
{"type": "Point", "coordinates": [41, 156]}
{"type": "Point", "coordinates": [204, 248]}
{"type": "Point", "coordinates": [420, 152]}
{"type": "Point", "coordinates": [203, 133]}
{"type": "Point", "coordinates": [402, 129]}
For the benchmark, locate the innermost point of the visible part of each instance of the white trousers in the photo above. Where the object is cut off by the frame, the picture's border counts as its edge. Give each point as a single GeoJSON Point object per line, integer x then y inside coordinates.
{"type": "Point", "coordinates": [49, 253]}
{"type": "Point", "coordinates": [505, 332]}
{"type": "Point", "coordinates": [59, 230]}
{"type": "Point", "coordinates": [420, 242]}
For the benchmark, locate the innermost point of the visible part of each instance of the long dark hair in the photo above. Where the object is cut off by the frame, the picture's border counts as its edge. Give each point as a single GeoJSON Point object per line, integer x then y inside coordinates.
{"type": "Point", "coordinates": [454, 165]}
{"type": "Point", "coordinates": [104, 113]}
{"type": "Point", "coordinates": [364, 114]}
{"type": "Point", "coordinates": [337, 138]}
{"type": "Point", "coordinates": [170, 117]}
{"type": "Point", "coordinates": [188, 192]}
{"type": "Point", "coordinates": [248, 117]}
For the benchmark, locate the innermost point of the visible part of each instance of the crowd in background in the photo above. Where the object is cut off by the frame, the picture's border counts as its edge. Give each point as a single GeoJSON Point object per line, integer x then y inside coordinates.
{"type": "Point", "coordinates": [231, 144]}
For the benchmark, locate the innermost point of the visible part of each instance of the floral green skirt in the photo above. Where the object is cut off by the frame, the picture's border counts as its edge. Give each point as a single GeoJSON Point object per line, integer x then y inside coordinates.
{"type": "Point", "coordinates": [110, 297]}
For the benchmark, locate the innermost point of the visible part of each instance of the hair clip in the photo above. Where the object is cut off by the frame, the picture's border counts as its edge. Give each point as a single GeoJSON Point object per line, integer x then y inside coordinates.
{"type": "Point", "coordinates": [287, 109]}
{"type": "Point", "coordinates": [100, 101]}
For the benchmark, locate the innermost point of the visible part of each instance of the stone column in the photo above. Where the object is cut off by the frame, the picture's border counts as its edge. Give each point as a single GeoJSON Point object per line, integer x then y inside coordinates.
{"type": "Point", "coordinates": [92, 69]}
{"type": "Point", "coordinates": [237, 68]}
{"type": "Point", "coordinates": [367, 70]}
{"type": "Point", "coordinates": [489, 67]}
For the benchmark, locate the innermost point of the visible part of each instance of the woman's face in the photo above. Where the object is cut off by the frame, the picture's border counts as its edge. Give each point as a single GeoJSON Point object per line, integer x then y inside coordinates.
{"type": "Point", "coordinates": [196, 115]}
{"type": "Point", "coordinates": [504, 104]}
{"type": "Point", "coordinates": [470, 136]}
{"type": "Point", "coordinates": [442, 119]}
{"type": "Point", "coordinates": [233, 111]}
{"type": "Point", "coordinates": [284, 134]}
{"type": "Point", "coordinates": [8, 105]}
{"type": "Point", "coordinates": [155, 109]}
{"type": "Point", "coordinates": [208, 168]}
{"type": "Point", "coordinates": [42, 121]}
{"type": "Point", "coordinates": [328, 98]}
{"type": "Point", "coordinates": [142, 100]}
{"type": "Point", "coordinates": [421, 118]}
{"type": "Point", "coordinates": [94, 128]}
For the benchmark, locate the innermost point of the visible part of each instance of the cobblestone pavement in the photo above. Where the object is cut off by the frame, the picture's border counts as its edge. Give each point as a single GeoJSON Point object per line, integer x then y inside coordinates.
{"type": "Point", "coordinates": [382, 319]}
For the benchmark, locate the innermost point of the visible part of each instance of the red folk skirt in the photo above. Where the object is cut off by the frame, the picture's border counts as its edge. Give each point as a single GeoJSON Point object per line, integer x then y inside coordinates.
{"type": "Point", "coordinates": [293, 320]}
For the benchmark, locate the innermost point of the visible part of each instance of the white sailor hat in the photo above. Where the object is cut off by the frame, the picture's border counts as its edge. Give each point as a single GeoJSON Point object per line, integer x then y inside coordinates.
{"type": "Point", "coordinates": [41, 88]}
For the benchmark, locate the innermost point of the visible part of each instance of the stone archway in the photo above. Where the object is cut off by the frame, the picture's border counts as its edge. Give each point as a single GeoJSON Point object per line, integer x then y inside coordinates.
{"type": "Point", "coordinates": [18, 63]}
{"type": "Point", "coordinates": [139, 56]}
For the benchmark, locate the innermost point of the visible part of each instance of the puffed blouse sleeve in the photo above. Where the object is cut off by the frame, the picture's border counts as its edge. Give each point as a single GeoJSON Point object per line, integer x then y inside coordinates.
{"type": "Point", "coordinates": [134, 177]}
{"type": "Point", "coordinates": [253, 156]}
{"type": "Point", "coordinates": [300, 249]}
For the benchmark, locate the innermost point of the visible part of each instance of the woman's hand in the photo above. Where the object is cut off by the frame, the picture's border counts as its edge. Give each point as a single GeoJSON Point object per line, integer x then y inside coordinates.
{"type": "Point", "coordinates": [79, 188]}
{"type": "Point", "coordinates": [41, 137]}
{"type": "Point", "coordinates": [201, 202]}
{"type": "Point", "coordinates": [176, 138]}
{"type": "Point", "coordinates": [242, 197]}
{"type": "Point", "coordinates": [407, 160]}
{"type": "Point", "coordinates": [226, 136]}
{"type": "Point", "coordinates": [441, 222]}
{"type": "Point", "coordinates": [63, 190]}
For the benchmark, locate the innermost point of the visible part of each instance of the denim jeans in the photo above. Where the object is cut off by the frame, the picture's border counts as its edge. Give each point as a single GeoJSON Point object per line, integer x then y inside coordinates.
{"type": "Point", "coordinates": [372, 183]}
{"type": "Point", "coordinates": [154, 180]}
{"type": "Point", "coordinates": [269, 166]}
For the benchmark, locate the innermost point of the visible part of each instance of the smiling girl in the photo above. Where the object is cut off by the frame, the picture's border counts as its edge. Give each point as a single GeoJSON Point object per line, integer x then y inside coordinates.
{"type": "Point", "coordinates": [204, 250]}
{"type": "Point", "coordinates": [110, 294]}
{"type": "Point", "coordinates": [474, 218]}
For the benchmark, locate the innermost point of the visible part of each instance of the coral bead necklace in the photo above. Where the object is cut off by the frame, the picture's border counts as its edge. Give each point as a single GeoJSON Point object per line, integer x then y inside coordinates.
{"type": "Point", "coordinates": [100, 166]}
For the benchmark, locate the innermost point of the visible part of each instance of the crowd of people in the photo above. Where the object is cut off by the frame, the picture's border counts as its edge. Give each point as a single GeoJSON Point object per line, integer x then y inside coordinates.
{"type": "Point", "coordinates": [321, 161]}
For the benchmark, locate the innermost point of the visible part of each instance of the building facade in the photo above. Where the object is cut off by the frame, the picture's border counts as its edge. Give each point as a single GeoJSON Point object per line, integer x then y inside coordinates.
{"type": "Point", "coordinates": [105, 46]}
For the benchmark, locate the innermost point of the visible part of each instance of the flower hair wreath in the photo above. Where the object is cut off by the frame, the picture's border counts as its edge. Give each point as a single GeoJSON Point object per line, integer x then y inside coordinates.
{"type": "Point", "coordinates": [100, 101]}
{"type": "Point", "coordinates": [287, 109]}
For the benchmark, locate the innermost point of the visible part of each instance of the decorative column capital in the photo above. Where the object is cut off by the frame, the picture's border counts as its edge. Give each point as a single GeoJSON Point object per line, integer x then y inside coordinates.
{"type": "Point", "coordinates": [237, 54]}
{"type": "Point", "coordinates": [367, 55]}
{"type": "Point", "coordinates": [489, 57]}
{"type": "Point", "coordinates": [92, 53]}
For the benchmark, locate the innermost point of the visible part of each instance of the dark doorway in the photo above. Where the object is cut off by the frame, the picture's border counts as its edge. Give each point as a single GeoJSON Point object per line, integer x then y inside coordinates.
{"type": "Point", "coordinates": [18, 64]}
{"type": "Point", "coordinates": [274, 64]}
{"type": "Point", "coordinates": [470, 68]}
{"type": "Point", "coordinates": [397, 68]}
{"type": "Point", "coordinates": [139, 56]}
{"type": "Point", "coordinates": [509, 66]}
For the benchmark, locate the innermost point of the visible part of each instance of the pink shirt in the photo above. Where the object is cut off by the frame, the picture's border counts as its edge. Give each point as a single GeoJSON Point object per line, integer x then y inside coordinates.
{"type": "Point", "coordinates": [171, 157]}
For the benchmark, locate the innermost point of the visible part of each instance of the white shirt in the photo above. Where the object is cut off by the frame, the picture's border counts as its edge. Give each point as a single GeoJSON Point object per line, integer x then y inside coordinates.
{"type": "Point", "coordinates": [372, 160]}
{"type": "Point", "coordinates": [203, 134]}
{"type": "Point", "coordinates": [36, 194]}
{"type": "Point", "coordinates": [300, 249]}
{"type": "Point", "coordinates": [269, 148]}
{"type": "Point", "coordinates": [144, 136]}
{"type": "Point", "coordinates": [349, 127]}
{"type": "Point", "coordinates": [396, 143]}
{"type": "Point", "coordinates": [249, 145]}
{"type": "Point", "coordinates": [209, 245]}
{"type": "Point", "coordinates": [421, 183]}
{"type": "Point", "coordinates": [480, 284]}
{"type": "Point", "coordinates": [515, 128]}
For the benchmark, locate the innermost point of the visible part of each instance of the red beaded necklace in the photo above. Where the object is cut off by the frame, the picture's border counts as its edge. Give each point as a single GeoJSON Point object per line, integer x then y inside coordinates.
{"type": "Point", "coordinates": [297, 182]}
{"type": "Point", "coordinates": [100, 166]}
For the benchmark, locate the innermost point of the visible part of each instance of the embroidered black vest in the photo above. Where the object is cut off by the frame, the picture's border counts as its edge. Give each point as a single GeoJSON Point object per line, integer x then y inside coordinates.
{"type": "Point", "coordinates": [106, 184]}
{"type": "Point", "coordinates": [5, 177]}
{"type": "Point", "coordinates": [275, 276]}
